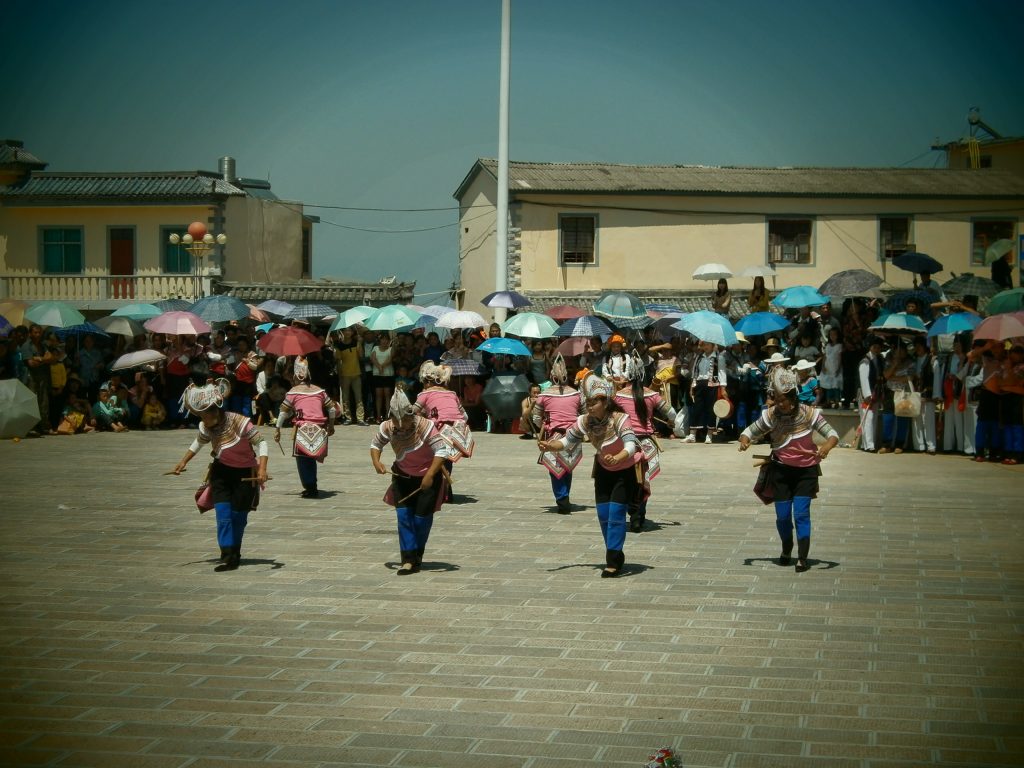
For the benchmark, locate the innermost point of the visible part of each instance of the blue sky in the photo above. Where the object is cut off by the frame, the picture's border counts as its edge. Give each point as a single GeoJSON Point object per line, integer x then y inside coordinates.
{"type": "Point", "coordinates": [387, 104]}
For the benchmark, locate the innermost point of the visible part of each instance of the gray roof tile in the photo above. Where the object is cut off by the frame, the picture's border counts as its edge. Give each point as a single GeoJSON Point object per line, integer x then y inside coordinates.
{"type": "Point", "coordinates": [185, 185]}
{"type": "Point", "coordinates": [608, 178]}
{"type": "Point", "coordinates": [340, 295]}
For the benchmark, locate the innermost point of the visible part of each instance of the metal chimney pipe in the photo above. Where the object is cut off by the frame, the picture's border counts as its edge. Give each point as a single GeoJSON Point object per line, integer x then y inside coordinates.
{"type": "Point", "coordinates": [227, 169]}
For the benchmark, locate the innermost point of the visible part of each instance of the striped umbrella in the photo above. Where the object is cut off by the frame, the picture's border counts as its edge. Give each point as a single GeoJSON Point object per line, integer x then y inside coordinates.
{"type": "Point", "coordinates": [55, 314]}
{"type": "Point", "coordinates": [306, 312]}
{"type": "Point", "coordinates": [588, 325]}
{"type": "Point", "coordinates": [968, 284]}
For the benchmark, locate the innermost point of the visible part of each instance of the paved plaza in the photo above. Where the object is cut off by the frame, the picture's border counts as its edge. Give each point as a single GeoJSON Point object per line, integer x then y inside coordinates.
{"type": "Point", "coordinates": [120, 646]}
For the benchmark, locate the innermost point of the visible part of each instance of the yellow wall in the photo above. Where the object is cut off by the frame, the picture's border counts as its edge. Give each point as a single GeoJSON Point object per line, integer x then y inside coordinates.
{"type": "Point", "coordinates": [264, 242]}
{"type": "Point", "coordinates": [639, 249]}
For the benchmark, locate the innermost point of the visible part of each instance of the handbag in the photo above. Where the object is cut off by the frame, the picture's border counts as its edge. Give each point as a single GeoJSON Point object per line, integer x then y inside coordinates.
{"type": "Point", "coordinates": [907, 402]}
{"type": "Point", "coordinates": [204, 494]}
{"type": "Point", "coordinates": [764, 486]}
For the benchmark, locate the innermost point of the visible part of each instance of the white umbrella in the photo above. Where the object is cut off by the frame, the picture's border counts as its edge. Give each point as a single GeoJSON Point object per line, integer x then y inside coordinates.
{"type": "Point", "coordinates": [760, 270]}
{"type": "Point", "coordinates": [137, 358]}
{"type": "Point", "coordinates": [121, 326]}
{"type": "Point", "coordinates": [712, 271]}
{"type": "Point", "coordinates": [19, 409]}
{"type": "Point", "coordinates": [460, 318]}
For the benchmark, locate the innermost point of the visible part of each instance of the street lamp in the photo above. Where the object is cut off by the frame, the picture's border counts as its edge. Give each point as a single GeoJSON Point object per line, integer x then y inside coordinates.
{"type": "Point", "coordinates": [199, 243]}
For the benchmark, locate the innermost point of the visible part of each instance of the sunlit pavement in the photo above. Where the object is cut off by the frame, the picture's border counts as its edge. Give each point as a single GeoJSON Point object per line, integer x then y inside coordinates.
{"type": "Point", "coordinates": [122, 647]}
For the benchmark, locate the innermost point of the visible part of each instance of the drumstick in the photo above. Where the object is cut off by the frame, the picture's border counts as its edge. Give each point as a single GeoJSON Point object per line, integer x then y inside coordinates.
{"type": "Point", "coordinates": [254, 479]}
{"type": "Point", "coordinates": [407, 497]}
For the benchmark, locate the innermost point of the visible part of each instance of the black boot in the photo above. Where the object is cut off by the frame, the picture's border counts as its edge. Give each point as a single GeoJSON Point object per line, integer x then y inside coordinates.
{"type": "Point", "coordinates": [564, 507]}
{"type": "Point", "coordinates": [615, 559]}
{"type": "Point", "coordinates": [225, 552]}
{"type": "Point", "coordinates": [803, 547]}
{"type": "Point", "coordinates": [231, 564]}
{"type": "Point", "coordinates": [787, 551]}
{"type": "Point", "coordinates": [410, 562]}
{"type": "Point", "coordinates": [636, 519]}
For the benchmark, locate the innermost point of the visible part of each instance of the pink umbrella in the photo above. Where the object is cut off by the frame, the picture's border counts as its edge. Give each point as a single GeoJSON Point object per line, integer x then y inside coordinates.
{"type": "Point", "coordinates": [1001, 327]}
{"type": "Point", "coordinates": [563, 312]}
{"type": "Point", "coordinates": [255, 313]}
{"type": "Point", "coordinates": [177, 324]}
{"type": "Point", "coordinates": [574, 345]}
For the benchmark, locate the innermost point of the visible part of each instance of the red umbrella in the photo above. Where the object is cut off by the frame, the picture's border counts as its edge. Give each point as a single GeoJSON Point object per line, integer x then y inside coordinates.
{"type": "Point", "coordinates": [563, 312]}
{"type": "Point", "coordinates": [290, 340]}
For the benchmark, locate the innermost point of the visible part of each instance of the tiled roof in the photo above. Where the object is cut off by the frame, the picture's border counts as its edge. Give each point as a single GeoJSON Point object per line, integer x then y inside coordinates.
{"type": "Point", "coordinates": [340, 295]}
{"type": "Point", "coordinates": [12, 152]}
{"type": "Point", "coordinates": [687, 301]}
{"type": "Point", "coordinates": [607, 178]}
{"type": "Point", "coordinates": [181, 185]}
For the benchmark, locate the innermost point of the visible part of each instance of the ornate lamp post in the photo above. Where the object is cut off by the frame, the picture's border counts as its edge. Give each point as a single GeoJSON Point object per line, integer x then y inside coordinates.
{"type": "Point", "coordinates": [199, 243]}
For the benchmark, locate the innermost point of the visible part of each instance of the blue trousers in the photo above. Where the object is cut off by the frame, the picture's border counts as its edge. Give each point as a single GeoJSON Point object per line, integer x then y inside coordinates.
{"type": "Point", "coordinates": [561, 486]}
{"type": "Point", "coordinates": [413, 530]}
{"type": "Point", "coordinates": [230, 525]}
{"type": "Point", "coordinates": [307, 472]}
{"type": "Point", "coordinates": [798, 509]}
{"type": "Point", "coordinates": [987, 437]}
{"type": "Point", "coordinates": [612, 518]}
{"type": "Point", "coordinates": [894, 429]}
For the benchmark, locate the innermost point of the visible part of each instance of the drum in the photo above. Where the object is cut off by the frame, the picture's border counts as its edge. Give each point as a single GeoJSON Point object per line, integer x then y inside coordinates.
{"type": "Point", "coordinates": [722, 407]}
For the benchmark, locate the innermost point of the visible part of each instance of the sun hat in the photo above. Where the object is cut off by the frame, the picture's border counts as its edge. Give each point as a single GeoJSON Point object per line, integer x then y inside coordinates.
{"type": "Point", "coordinates": [616, 339]}
{"type": "Point", "coordinates": [776, 358]}
{"type": "Point", "coordinates": [804, 365]}
{"type": "Point", "coordinates": [771, 343]}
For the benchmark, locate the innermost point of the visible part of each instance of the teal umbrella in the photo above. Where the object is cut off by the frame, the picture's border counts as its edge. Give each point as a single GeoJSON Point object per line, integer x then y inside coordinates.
{"type": "Point", "coordinates": [138, 311]}
{"type": "Point", "coordinates": [531, 325]}
{"type": "Point", "coordinates": [1006, 301]}
{"type": "Point", "coordinates": [351, 316]}
{"type": "Point", "coordinates": [900, 323]}
{"type": "Point", "coordinates": [799, 296]}
{"type": "Point", "coordinates": [708, 326]}
{"type": "Point", "coordinates": [55, 314]}
{"type": "Point", "coordinates": [391, 318]}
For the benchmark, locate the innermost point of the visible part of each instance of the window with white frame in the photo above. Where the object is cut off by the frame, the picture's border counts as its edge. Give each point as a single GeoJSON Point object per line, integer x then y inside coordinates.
{"type": "Point", "coordinates": [985, 233]}
{"type": "Point", "coordinates": [577, 240]}
{"type": "Point", "coordinates": [894, 236]}
{"type": "Point", "coordinates": [61, 250]}
{"type": "Point", "coordinates": [789, 240]}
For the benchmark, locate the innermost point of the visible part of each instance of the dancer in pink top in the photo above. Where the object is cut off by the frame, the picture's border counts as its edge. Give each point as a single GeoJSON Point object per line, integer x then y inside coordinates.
{"type": "Point", "coordinates": [792, 471]}
{"type": "Point", "coordinates": [557, 408]}
{"type": "Point", "coordinates": [239, 467]}
{"type": "Point", "coordinates": [443, 407]}
{"type": "Point", "coordinates": [310, 408]}
{"type": "Point", "coordinates": [418, 484]}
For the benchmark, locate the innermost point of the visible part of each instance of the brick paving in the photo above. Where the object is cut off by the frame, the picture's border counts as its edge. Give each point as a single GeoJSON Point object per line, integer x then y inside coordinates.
{"type": "Point", "coordinates": [120, 646]}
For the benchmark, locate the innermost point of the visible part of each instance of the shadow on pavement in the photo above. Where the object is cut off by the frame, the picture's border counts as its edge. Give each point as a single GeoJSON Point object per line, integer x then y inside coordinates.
{"type": "Point", "coordinates": [812, 563]}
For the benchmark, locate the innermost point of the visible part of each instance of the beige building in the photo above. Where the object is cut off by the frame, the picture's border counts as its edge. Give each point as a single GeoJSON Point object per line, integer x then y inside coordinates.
{"type": "Point", "coordinates": [100, 240]}
{"type": "Point", "coordinates": [577, 229]}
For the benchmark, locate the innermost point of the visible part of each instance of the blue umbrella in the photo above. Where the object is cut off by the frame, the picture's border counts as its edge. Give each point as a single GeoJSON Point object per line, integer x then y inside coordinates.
{"type": "Point", "coordinates": [503, 346]}
{"type": "Point", "coordinates": [708, 326]}
{"type": "Point", "coordinates": [900, 322]}
{"type": "Point", "coordinates": [276, 307]}
{"type": "Point", "coordinates": [220, 309]}
{"type": "Point", "coordinates": [588, 325]}
{"type": "Point", "coordinates": [5, 326]}
{"type": "Point", "coordinates": [912, 261]}
{"type": "Point", "coordinates": [80, 329]}
{"type": "Point", "coordinates": [958, 322]}
{"type": "Point", "coordinates": [507, 299]}
{"type": "Point", "coordinates": [305, 311]}
{"type": "Point", "coordinates": [760, 323]}
{"type": "Point", "coordinates": [799, 296]}
{"type": "Point", "coordinates": [265, 327]}
{"type": "Point", "coordinates": [173, 305]}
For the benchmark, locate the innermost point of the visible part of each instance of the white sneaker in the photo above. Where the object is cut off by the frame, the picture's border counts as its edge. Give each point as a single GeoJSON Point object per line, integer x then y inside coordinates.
{"type": "Point", "coordinates": [707, 440]}
{"type": "Point", "coordinates": [690, 439]}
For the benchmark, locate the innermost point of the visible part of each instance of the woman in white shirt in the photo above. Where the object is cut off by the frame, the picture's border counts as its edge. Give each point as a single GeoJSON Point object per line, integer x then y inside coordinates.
{"type": "Point", "coordinates": [383, 372]}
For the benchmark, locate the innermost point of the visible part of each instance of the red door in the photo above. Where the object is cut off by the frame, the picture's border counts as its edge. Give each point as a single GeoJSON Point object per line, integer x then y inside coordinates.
{"type": "Point", "coordinates": [122, 262]}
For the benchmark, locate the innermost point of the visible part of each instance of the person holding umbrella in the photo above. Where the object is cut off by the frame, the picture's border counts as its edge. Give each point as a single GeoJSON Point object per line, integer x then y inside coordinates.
{"type": "Point", "coordinates": [794, 465]}
{"type": "Point", "coordinates": [608, 429]}
{"type": "Point", "coordinates": [415, 491]}
{"type": "Point", "coordinates": [310, 408]}
{"type": "Point", "coordinates": [239, 467]}
{"type": "Point", "coordinates": [556, 409]}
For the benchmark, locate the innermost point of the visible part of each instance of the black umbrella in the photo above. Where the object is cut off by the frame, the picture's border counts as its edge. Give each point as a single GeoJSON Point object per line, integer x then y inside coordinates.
{"type": "Point", "coordinates": [912, 261]}
{"type": "Point", "coordinates": [968, 284]}
{"type": "Point", "coordinates": [850, 282]}
{"type": "Point", "coordinates": [503, 396]}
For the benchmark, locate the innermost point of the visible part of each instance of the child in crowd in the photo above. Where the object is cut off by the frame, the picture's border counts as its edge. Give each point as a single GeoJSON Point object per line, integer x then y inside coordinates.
{"type": "Point", "coordinates": [153, 412]}
{"type": "Point", "coordinates": [832, 368]}
{"type": "Point", "coordinates": [108, 413]}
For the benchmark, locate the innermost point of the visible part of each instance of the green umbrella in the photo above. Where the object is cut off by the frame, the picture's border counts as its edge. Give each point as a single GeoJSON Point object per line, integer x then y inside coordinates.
{"type": "Point", "coordinates": [1007, 301]}
{"type": "Point", "coordinates": [55, 314]}
{"type": "Point", "coordinates": [351, 316]}
{"type": "Point", "coordinates": [391, 318]}
{"type": "Point", "coordinates": [531, 325]}
{"type": "Point", "coordinates": [138, 311]}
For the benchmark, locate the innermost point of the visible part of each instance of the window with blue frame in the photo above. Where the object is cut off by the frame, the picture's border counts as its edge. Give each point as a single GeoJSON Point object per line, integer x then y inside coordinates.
{"type": "Point", "coordinates": [176, 259]}
{"type": "Point", "coordinates": [62, 250]}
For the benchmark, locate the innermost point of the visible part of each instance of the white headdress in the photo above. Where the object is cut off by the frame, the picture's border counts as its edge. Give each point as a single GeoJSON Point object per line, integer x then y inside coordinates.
{"type": "Point", "coordinates": [559, 373]}
{"type": "Point", "coordinates": [300, 369]}
{"type": "Point", "coordinates": [400, 405]}
{"type": "Point", "coordinates": [596, 386]}
{"type": "Point", "coordinates": [439, 374]}
{"type": "Point", "coordinates": [199, 399]}
{"type": "Point", "coordinates": [636, 369]}
{"type": "Point", "coordinates": [783, 380]}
